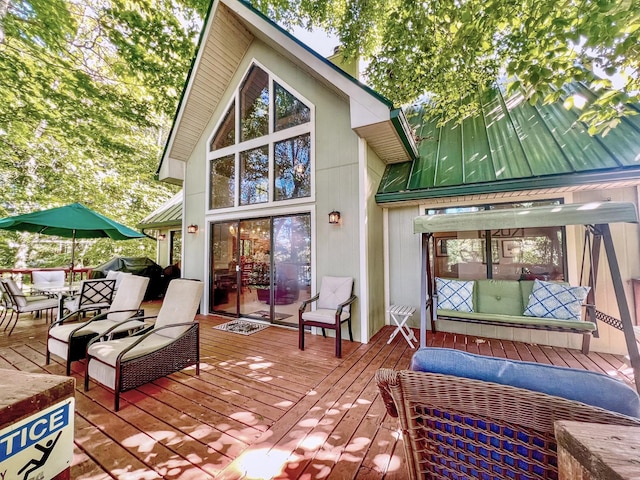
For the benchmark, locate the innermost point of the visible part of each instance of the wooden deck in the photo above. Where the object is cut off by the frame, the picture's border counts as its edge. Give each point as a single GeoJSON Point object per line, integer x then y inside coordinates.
{"type": "Point", "coordinates": [260, 407]}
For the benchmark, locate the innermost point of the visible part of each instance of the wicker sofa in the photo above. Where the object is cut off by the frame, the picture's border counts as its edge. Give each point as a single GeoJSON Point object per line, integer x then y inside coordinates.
{"type": "Point", "coordinates": [469, 416]}
{"type": "Point", "coordinates": [502, 303]}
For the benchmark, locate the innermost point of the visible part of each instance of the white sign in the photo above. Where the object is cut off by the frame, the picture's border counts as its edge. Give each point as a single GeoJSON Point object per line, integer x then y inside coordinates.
{"type": "Point", "coordinates": [38, 447]}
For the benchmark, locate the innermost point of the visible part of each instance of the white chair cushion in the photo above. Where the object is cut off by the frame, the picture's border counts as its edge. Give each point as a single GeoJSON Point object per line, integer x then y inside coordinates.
{"type": "Point", "coordinates": [180, 305]}
{"type": "Point", "coordinates": [48, 278]}
{"type": "Point", "coordinates": [71, 304]}
{"type": "Point", "coordinates": [58, 348]}
{"type": "Point", "coordinates": [117, 276]}
{"type": "Point", "coordinates": [108, 352]}
{"type": "Point", "coordinates": [15, 290]}
{"type": "Point", "coordinates": [62, 332]}
{"type": "Point", "coordinates": [39, 305]}
{"type": "Point", "coordinates": [324, 315]}
{"type": "Point", "coordinates": [128, 297]}
{"type": "Point", "coordinates": [334, 291]}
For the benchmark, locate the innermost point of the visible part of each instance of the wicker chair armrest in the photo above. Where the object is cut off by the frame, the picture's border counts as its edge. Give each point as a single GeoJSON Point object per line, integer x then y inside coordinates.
{"type": "Point", "coordinates": [148, 332]}
{"type": "Point", "coordinates": [105, 315]}
{"type": "Point", "coordinates": [107, 332]}
{"type": "Point", "coordinates": [385, 378]}
{"type": "Point", "coordinates": [76, 318]}
{"type": "Point", "coordinates": [351, 299]}
{"type": "Point", "coordinates": [304, 304]}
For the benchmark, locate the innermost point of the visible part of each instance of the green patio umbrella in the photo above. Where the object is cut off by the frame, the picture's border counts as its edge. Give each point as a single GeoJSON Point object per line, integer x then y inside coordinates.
{"type": "Point", "coordinates": [71, 221]}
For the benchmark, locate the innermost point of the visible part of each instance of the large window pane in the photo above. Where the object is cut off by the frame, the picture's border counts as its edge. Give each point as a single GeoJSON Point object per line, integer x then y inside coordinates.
{"type": "Point", "coordinates": [515, 253]}
{"type": "Point", "coordinates": [292, 168]}
{"type": "Point", "coordinates": [289, 111]}
{"type": "Point", "coordinates": [535, 253]}
{"type": "Point", "coordinates": [460, 255]}
{"type": "Point", "coordinates": [254, 105]}
{"type": "Point", "coordinates": [226, 134]}
{"type": "Point", "coordinates": [254, 176]}
{"type": "Point", "coordinates": [223, 181]}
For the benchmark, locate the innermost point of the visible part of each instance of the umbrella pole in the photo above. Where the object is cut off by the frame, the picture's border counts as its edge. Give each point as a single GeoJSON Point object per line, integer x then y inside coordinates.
{"type": "Point", "coordinates": [73, 256]}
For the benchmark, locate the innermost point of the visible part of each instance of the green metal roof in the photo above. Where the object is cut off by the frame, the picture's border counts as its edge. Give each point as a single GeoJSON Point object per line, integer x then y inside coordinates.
{"type": "Point", "coordinates": [168, 215]}
{"type": "Point", "coordinates": [512, 146]}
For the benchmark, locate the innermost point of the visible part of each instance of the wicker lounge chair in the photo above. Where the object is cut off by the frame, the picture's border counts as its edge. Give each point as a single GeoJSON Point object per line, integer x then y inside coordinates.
{"type": "Point", "coordinates": [68, 338]}
{"type": "Point", "coordinates": [333, 309]}
{"type": "Point", "coordinates": [458, 427]}
{"type": "Point", "coordinates": [171, 345]}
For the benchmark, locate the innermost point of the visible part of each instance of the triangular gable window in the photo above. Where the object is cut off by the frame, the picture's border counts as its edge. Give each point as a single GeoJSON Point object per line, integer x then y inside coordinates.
{"type": "Point", "coordinates": [226, 134]}
{"type": "Point", "coordinates": [261, 152]}
{"type": "Point", "coordinates": [289, 111]}
{"type": "Point", "coordinates": [254, 104]}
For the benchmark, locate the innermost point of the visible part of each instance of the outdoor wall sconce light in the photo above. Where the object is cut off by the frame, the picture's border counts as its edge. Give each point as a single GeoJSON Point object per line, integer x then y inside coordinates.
{"type": "Point", "coordinates": [192, 229]}
{"type": "Point", "coordinates": [334, 217]}
{"type": "Point", "coordinates": [162, 236]}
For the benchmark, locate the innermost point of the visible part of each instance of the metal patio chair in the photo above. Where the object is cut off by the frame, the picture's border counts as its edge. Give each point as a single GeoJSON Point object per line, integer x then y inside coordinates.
{"type": "Point", "coordinates": [333, 308]}
{"type": "Point", "coordinates": [94, 295]}
{"type": "Point", "coordinates": [20, 303]}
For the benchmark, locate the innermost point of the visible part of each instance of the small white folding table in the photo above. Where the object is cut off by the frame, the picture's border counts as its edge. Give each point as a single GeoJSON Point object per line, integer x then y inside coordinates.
{"type": "Point", "coordinates": [400, 314]}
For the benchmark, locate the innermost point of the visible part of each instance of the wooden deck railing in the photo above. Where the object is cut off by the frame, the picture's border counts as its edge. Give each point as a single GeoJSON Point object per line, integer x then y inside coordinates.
{"type": "Point", "coordinates": [24, 277]}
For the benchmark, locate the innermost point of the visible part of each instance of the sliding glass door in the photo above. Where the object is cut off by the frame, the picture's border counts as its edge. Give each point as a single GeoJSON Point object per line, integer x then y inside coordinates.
{"type": "Point", "coordinates": [291, 265]}
{"type": "Point", "coordinates": [261, 268]}
{"type": "Point", "coordinates": [223, 296]}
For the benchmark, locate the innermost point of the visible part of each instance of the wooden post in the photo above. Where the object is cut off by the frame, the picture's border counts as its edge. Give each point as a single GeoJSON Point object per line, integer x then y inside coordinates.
{"type": "Point", "coordinates": [589, 451]}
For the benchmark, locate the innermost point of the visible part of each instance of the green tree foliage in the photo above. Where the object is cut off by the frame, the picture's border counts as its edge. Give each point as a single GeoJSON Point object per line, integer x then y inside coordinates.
{"type": "Point", "coordinates": [451, 49]}
{"type": "Point", "coordinates": [87, 89]}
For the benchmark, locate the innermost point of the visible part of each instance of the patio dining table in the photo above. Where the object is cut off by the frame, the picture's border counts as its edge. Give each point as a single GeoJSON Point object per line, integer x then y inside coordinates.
{"type": "Point", "coordinates": [61, 292]}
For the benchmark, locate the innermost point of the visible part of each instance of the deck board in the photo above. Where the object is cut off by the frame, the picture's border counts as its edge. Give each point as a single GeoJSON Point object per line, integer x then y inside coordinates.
{"type": "Point", "coordinates": [259, 405]}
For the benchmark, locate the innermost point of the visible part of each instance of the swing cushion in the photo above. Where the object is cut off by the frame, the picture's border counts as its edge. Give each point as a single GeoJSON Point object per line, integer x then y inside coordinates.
{"type": "Point", "coordinates": [502, 302]}
{"type": "Point", "coordinates": [556, 300]}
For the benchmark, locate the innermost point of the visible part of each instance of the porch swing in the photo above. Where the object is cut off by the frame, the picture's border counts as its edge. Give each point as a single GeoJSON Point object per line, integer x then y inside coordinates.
{"type": "Point", "coordinates": [596, 218]}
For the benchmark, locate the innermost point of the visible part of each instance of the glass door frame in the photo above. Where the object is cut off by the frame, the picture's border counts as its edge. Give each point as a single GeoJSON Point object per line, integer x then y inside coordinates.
{"type": "Point", "coordinates": [241, 282]}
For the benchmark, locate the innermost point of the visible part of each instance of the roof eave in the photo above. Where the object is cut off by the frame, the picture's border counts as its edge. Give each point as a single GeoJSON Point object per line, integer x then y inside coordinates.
{"type": "Point", "coordinates": [156, 225]}
{"type": "Point", "coordinates": [405, 133]}
{"type": "Point", "coordinates": [183, 95]}
{"type": "Point", "coordinates": [535, 183]}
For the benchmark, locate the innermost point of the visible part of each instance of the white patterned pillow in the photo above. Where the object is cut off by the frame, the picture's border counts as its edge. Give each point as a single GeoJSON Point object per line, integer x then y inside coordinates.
{"type": "Point", "coordinates": [454, 295]}
{"type": "Point", "coordinates": [555, 300]}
